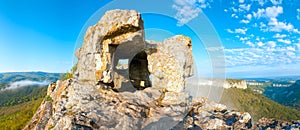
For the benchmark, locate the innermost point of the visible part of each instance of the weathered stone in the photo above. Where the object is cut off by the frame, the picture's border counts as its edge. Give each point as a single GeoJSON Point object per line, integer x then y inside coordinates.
{"type": "Point", "coordinates": [123, 82]}
{"type": "Point", "coordinates": [115, 51]}
{"type": "Point", "coordinates": [170, 62]}
{"type": "Point", "coordinates": [51, 88]}
{"type": "Point", "coordinates": [230, 83]}
{"type": "Point", "coordinates": [96, 59]}
{"type": "Point", "coordinates": [174, 98]}
{"type": "Point", "coordinates": [209, 115]}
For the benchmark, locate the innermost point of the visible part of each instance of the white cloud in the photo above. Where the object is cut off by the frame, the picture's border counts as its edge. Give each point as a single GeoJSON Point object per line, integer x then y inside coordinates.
{"type": "Point", "coordinates": [260, 13]}
{"type": "Point", "coordinates": [244, 38]}
{"type": "Point", "coordinates": [273, 12]}
{"type": "Point", "coordinates": [284, 41]}
{"type": "Point", "coordinates": [276, 47]}
{"type": "Point", "coordinates": [218, 48]}
{"type": "Point", "coordinates": [276, 2]}
{"type": "Point", "coordinates": [263, 27]}
{"type": "Point", "coordinates": [276, 26]}
{"type": "Point", "coordinates": [232, 15]}
{"type": "Point", "coordinates": [289, 48]}
{"type": "Point", "coordinates": [277, 35]}
{"type": "Point", "coordinates": [188, 9]}
{"type": "Point", "coordinates": [238, 30]}
{"type": "Point", "coordinates": [229, 30]}
{"type": "Point", "coordinates": [25, 83]}
{"type": "Point", "coordinates": [258, 56]}
{"type": "Point", "coordinates": [298, 46]}
{"type": "Point", "coordinates": [272, 44]}
{"type": "Point", "coordinates": [260, 44]}
{"type": "Point", "coordinates": [290, 55]}
{"type": "Point", "coordinates": [249, 43]}
{"type": "Point", "coordinates": [234, 9]}
{"type": "Point", "coordinates": [241, 31]}
{"type": "Point", "coordinates": [241, 1]}
{"type": "Point", "coordinates": [244, 7]}
{"type": "Point", "coordinates": [269, 12]}
{"type": "Point", "coordinates": [261, 2]}
{"type": "Point", "coordinates": [296, 31]}
{"type": "Point", "coordinates": [249, 16]}
{"type": "Point", "coordinates": [244, 21]}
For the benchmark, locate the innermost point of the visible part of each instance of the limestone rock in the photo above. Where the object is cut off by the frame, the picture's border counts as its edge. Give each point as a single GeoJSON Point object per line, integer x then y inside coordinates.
{"type": "Point", "coordinates": [115, 52]}
{"type": "Point", "coordinates": [96, 59]}
{"type": "Point", "coordinates": [209, 115]}
{"type": "Point", "coordinates": [230, 83]}
{"type": "Point", "coordinates": [171, 63]}
{"type": "Point", "coordinates": [266, 123]}
{"type": "Point", "coordinates": [172, 98]}
{"type": "Point", "coordinates": [125, 82]}
{"type": "Point", "coordinates": [121, 81]}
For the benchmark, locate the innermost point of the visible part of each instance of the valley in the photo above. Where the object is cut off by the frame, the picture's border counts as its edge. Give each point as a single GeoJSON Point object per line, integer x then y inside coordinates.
{"type": "Point", "coordinates": [284, 90]}
{"type": "Point", "coordinates": [270, 98]}
{"type": "Point", "coordinates": [18, 105]}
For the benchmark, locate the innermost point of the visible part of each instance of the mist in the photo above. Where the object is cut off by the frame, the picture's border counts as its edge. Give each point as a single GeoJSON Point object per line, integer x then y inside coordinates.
{"type": "Point", "coordinates": [25, 83]}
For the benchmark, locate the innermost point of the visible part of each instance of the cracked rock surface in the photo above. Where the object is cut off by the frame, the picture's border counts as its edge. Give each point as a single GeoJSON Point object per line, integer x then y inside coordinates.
{"type": "Point", "coordinates": [124, 82]}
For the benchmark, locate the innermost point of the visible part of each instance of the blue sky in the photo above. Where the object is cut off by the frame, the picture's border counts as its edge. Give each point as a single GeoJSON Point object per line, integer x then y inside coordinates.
{"type": "Point", "coordinates": [259, 37]}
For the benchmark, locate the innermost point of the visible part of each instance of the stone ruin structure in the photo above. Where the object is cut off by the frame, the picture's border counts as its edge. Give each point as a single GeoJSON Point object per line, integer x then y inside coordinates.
{"type": "Point", "coordinates": [115, 52]}
{"type": "Point", "coordinates": [123, 81]}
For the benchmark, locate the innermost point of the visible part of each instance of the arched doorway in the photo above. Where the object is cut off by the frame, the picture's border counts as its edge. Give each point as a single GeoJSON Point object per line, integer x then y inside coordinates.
{"type": "Point", "coordinates": [138, 71]}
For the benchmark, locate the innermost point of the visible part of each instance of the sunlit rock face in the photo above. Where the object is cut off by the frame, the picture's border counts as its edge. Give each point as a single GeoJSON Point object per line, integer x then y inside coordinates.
{"type": "Point", "coordinates": [96, 56]}
{"type": "Point", "coordinates": [115, 52]}
{"type": "Point", "coordinates": [125, 82]}
{"type": "Point", "coordinates": [170, 63]}
{"type": "Point", "coordinates": [230, 83]}
{"type": "Point", "coordinates": [121, 81]}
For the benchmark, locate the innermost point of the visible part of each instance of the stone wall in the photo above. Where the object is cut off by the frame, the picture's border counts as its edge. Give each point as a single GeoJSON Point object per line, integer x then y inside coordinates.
{"type": "Point", "coordinates": [115, 53]}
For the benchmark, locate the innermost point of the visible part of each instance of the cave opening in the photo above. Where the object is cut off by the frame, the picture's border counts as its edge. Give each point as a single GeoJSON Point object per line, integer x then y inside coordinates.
{"type": "Point", "coordinates": [138, 71]}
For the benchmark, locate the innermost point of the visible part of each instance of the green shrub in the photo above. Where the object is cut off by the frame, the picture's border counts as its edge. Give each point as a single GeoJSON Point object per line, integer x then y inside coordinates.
{"type": "Point", "coordinates": [48, 98]}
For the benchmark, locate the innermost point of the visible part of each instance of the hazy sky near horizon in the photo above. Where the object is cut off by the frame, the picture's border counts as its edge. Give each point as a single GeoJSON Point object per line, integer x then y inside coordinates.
{"type": "Point", "coordinates": [260, 37]}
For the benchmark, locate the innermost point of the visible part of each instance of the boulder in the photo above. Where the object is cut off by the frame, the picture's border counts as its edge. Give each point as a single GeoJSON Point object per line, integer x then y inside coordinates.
{"type": "Point", "coordinates": [170, 63]}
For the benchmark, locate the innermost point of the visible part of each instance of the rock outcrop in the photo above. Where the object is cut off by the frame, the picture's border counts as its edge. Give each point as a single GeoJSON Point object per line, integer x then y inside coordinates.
{"type": "Point", "coordinates": [121, 81]}
{"type": "Point", "coordinates": [266, 123]}
{"type": "Point", "coordinates": [124, 82]}
{"type": "Point", "coordinates": [231, 83]}
{"type": "Point", "coordinates": [208, 115]}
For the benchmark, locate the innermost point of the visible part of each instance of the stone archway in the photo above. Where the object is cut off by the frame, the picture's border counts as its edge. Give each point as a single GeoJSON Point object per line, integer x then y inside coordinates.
{"type": "Point", "coordinates": [138, 71]}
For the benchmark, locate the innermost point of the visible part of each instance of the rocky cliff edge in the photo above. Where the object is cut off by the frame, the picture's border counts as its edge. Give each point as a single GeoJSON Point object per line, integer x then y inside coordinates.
{"type": "Point", "coordinates": [124, 82]}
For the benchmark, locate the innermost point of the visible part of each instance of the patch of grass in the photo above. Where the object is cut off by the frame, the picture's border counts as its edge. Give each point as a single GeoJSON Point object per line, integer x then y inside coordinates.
{"type": "Point", "coordinates": [48, 98]}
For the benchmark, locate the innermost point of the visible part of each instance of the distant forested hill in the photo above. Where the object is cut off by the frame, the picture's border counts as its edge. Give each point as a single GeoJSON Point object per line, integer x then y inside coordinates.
{"type": "Point", "coordinates": [258, 105]}
{"type": "Point", "coordinates": [18, 105]}
{"type": "Point", "coordinates": [26, 91]}
{"type": "Point", "coordinates": [289, 96]}
{"type": "Point", "coordinates": [34, 76]}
